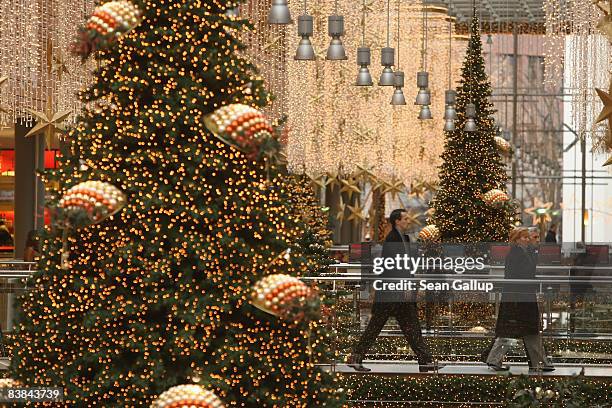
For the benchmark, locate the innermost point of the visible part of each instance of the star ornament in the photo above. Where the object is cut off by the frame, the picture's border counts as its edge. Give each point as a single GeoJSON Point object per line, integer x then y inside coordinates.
{"type": "Point", "coordinates": [340, 213]}
{"type": "Point", "coordinates": [332, 180]}
{"type": "Point", "coordinates": [59, 66]}
{"type": "Point", "coordinates": [606, 99]}
{"type": "Point", "coordinates": [47, 122]}
{"type": "Point", "coordinates": [273, 44]}
{"type": "Point", "coordinates": [417, 190]}
{"type": "Point", "coordinates": [395, 188]}
{"type": "Point", "coordinates": [317, 181]}
{"type": "Point", "coordinates": [540, 212]}
{"type": "Point", "coordinates": [349, 188]}
{"type": "Point", "coordinates": [356, 214]}
{"type": "Point", "coordinates": [367, 173]}
{"type": "Point", "coordinates": [413, 218]}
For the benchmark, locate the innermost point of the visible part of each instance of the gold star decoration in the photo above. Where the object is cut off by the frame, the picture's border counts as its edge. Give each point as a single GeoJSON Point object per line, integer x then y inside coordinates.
{"type": "Point", "coordinates": [413, 218]}
{"type": "Point", "coordinates": [340, 213]}
{"type": "Point", "coordinates": [362, 134]}
{"type": "Point", "coordinates": [317, 181]}
{"type": "Point", "coordinates": [47, 123]}
{"type": "Point", "coordinates": [349, 187]}
{"type": "Point", "coordinates": [316, 99]}
{"type": "Point", "coordinates": [603, 5]}
{"type": "Point", "coordinates": [365, 172]}
{"type": "Point", "coordinates": [417, 190]}
{"type": "Point", "coordinates": [272, 44]}
{"type": "Point", "coordinates": [367, 7]}
{"type": "Point", "coordinates": [59, 66]}
{"type": "Point", "coordinates": [606, 113]}
{"type": "Point", "coordinates": [540, 211]}
{"type": "Point", "coordinates": [356, 214]}
{"type": "Point", "coordinates": [320, 54]}
{"type": "Point", "coordinates": [432, 187]}
{"type": "Point", "coordinates": [395, 188]}
{"type": "Point", "coordinates": [606, 99]}
{"type": "Point", "coordinates": [332, 180]}
{"type": "Point", "coordinates": [382, 185]}
{"type": "Point", "coordinates": [605, 22]}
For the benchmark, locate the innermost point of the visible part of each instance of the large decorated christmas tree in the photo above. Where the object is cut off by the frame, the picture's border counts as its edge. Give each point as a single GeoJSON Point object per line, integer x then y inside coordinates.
{"type": "Point", "coordinates": [472, 165]}
{"type": "Point", "coordinates": [168, 212]}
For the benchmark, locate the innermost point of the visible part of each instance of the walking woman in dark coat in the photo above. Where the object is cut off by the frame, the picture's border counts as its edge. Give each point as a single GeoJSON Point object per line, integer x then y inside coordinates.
{"type": "Point", "coordinates": [519, 315]}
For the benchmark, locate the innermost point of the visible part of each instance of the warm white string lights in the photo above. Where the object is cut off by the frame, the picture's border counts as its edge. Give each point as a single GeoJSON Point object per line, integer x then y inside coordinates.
{"type": "Point", "coordinates": [574, 44]}
{"type": "Point", "coordinates": [334, 126]}
{"type": "Point", "coordinates": [35, 38]}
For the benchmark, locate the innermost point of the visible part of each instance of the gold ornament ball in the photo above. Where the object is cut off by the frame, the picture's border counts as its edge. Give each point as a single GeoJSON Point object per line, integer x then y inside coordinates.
{"type": "Point", "coordinates": [274, 294]}
{"type": "Point", "coordinates": [114, 18]}
{"type": "Point", "coordinates": [188, 396]}
{"type": "Point", "coordinates": [93, 195]}
{"type": "Point", "coordinates": [502, 145]}
{"type": "Point", "coordinates": [495, 198]}
{"type": "Point", "coordinates": [430, 233]}
{"type": "Point", "coordinates": [239, 125]}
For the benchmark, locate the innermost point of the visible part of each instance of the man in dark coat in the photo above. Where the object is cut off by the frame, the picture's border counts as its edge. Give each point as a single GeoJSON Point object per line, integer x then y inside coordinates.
{"type": "Point", "coordinates": [519, 315]}
{"type": "Point", "coordinates": [398, 304]}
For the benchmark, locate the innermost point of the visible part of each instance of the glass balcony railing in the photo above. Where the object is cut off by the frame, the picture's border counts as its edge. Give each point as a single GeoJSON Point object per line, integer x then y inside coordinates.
{"type": "Point", "coordinates": [570, 290]}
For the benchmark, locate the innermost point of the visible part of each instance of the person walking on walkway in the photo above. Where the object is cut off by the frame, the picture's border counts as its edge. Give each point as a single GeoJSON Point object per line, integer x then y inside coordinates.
{"type": "Point", "coordinates": [519, 315]}
{"type": "Point", "coordinates": [399, 304]}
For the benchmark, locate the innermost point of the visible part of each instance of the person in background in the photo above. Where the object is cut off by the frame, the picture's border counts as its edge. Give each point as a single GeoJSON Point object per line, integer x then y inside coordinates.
{"type": "Point", "coordinates": [31, 250]}
{"type": "Point", "coordinates": [519, 315]}
{"type": "Point", "coordinates": [551, 235]}
{"type": "Point", "coordinates": [398, 304]}
{"type": "Point", "coordinates": [6, 239]}
{"type": "Point", "coordinates": [533, 250]}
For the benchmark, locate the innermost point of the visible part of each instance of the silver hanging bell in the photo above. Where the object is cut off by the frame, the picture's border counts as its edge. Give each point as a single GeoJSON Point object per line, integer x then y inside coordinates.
{"type": "Point", "coordinates": [305, 52]}
{"type": "Point", "coordinates": [335, 28]}
{"type": "Point", "coordinates": [450, 113]}
{"type": "Point", "coordinates": [364, 78]}
{"type": "Point", "coordinates": [425, 113]}
{"type": "Point", "coordinates": [387, 59]}
{"type": "Point", "coordinates": [449, 125]}
{"type": "Point", "coordinates": [398, 94]}
{"type": "Point", "coordinates": [279, 13]}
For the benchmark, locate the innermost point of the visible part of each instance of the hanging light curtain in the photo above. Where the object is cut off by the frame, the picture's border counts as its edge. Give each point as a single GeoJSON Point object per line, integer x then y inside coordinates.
{"type": "Point", "coordinates": [42, 74]}
{"type": "Point", "coordinates": [335, 126]}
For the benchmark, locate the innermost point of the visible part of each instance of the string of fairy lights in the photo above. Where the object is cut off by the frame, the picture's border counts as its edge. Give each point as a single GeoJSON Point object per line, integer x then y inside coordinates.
{"type": "Point", "coordinates": [42, 75]}
{"type": "Point", "coordinates": [574, 44]}
{"type": "Point", "coordinates": [335, 126]}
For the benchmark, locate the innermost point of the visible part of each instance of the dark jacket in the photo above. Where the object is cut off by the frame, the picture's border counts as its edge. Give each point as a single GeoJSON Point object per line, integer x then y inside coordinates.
{"type": "Point", "coordinates": [518, 313]}
{"type": "Point", "coordinates": [393, 246]}
{"type": "Point", "coordinates": [5, 237]}
{"type": "Point", "coordinates": [551, 237]}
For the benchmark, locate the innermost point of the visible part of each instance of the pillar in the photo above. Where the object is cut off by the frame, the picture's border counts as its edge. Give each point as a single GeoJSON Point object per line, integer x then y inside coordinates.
{"type": "Point", "coordinates": [29, 189]}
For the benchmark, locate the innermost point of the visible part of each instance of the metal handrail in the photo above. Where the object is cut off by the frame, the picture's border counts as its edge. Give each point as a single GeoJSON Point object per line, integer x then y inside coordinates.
{"type": "Point", "coordinates": [418, 277]}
